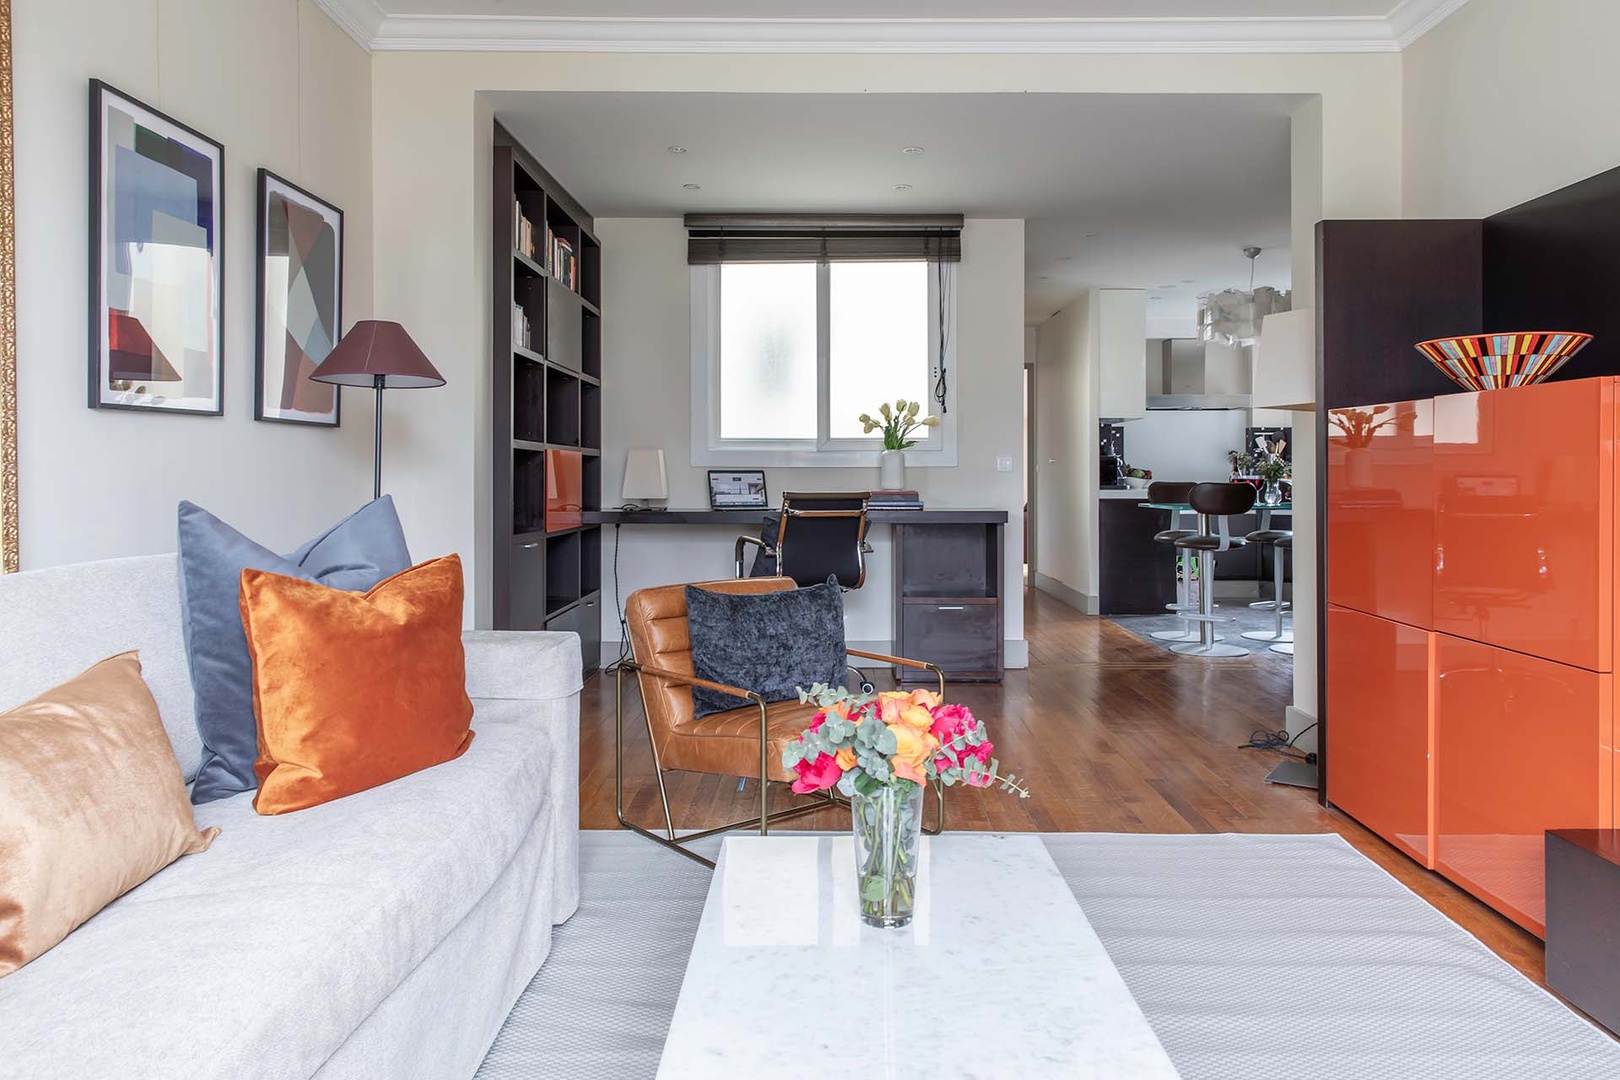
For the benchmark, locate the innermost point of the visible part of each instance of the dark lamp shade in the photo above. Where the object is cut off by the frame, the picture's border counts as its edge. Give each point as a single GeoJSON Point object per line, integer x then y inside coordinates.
{"type": "Point", "coordinates": [372, 348]}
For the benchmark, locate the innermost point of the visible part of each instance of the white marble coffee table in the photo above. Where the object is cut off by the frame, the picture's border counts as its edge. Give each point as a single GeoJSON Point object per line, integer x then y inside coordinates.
{"type": "Point", "coordinates": [999, 974]}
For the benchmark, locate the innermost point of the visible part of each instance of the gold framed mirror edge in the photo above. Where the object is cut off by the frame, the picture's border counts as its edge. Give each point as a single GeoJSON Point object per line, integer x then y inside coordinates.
{"type": "Point", "coordinates": [9, 540]}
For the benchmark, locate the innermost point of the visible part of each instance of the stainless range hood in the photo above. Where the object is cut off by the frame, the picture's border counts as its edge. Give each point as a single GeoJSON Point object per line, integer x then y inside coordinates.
{"type": "Point", "coordinates": [1186, 375]}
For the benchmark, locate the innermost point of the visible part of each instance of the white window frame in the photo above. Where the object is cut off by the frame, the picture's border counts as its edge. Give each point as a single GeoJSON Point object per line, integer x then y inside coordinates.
{"type": "Point", "coordinates": [936, 449]}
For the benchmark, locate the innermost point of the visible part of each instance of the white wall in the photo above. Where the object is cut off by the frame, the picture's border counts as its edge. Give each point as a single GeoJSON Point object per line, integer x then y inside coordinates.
{"type": "Point", "coordinates": [1066, 454]}
{"type": "Point", "coordinates": [281, 86]}
{"type": "Point", "coordinates": [428, 135]}
{"type": "Point", "coordinates": [1185, 446]}
{"type": "Point", "coordinates": [646, 380]}
{"type": "Point", "coordinates": [1556, 129]}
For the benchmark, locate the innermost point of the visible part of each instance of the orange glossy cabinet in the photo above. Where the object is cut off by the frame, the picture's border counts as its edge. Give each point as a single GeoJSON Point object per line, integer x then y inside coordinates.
{"type": "Point", "coordinates": [1524, 536]}
{"type": "Point", "coordinates": [1379, 688]}
{"type": "Point", "coordinates": [565, 489]}
{"type": "Point", "coordinates": [1522, 745]}
{"type": "Point", "coordinates": [1380, 510]}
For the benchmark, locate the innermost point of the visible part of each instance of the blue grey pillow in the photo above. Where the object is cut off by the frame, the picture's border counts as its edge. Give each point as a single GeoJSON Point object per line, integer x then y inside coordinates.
{"type": "Point", "coordinates": [355, 554]}
{"type": "Point", "coordinates": [772, 643]}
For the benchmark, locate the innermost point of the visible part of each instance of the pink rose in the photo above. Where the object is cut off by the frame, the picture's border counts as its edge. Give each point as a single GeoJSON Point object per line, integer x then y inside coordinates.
{"type": "Point", "coordinates": [816, 722]}
{"type": "Point", "coordinates": [951, 723]}
{"type": "Point", "coordinates": [818, 775]}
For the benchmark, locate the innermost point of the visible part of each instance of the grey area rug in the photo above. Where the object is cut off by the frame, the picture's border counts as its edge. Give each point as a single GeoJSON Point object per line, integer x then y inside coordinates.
{"type": "Point", "coordinates": [1244, 619]}
{"type": "Point", "coordinates": [1252, 956]}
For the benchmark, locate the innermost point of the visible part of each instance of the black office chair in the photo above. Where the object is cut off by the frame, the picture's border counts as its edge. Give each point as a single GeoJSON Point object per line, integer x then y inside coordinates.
{"type": "Point", "coordinates": [1214, 504]}
{"type": "Point", "coordinates": [816, 535]}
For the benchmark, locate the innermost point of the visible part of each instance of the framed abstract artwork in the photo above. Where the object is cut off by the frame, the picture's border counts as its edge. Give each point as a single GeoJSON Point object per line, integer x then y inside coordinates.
{"type": "Point", "coordinates": [300, 303]}
{"type": "Point", "coordinates": [157, 267]}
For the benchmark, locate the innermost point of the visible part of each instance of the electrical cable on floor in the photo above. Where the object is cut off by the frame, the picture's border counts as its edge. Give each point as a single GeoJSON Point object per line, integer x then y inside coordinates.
{"type": "Point", "coordinates": [1278, 741]}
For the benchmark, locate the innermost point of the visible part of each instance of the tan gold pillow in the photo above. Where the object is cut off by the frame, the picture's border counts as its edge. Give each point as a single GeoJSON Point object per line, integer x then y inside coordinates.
{"type": "Point", "coordinates": [91, 804]}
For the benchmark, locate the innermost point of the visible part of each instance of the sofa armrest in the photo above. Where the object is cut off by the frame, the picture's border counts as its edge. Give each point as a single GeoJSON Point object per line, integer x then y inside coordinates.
{"type": "Point", "coordinates": [526, 665]}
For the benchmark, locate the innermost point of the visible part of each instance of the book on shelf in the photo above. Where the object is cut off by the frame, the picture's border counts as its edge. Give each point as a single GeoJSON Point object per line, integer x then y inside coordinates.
{"type": "Point", "coordinates": [520, 327]}
{"type": "Point", "coordinates": [522, 231]}
{"type": "Point", "coordinates": [564, 264]}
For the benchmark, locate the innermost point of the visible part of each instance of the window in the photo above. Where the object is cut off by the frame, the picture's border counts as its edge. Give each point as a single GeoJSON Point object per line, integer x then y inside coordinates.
{"type": "Point", "coordinates": [787, 356]}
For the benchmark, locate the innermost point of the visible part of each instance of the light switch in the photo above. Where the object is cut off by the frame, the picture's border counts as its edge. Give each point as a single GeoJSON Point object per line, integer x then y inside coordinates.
{"type": "Point", "coordinates": [1003, 464]}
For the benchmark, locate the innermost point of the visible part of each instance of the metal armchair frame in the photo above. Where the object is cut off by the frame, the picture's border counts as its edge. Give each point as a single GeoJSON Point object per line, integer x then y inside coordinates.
{"type": "Point", "coordinates": [765, 818]}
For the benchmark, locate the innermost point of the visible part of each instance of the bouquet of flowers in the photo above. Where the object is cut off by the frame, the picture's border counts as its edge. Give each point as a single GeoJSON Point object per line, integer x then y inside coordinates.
{"type": "Point", "coordinates": [899, 422]}
{"type": "Point", "coordinates": [881, 750]}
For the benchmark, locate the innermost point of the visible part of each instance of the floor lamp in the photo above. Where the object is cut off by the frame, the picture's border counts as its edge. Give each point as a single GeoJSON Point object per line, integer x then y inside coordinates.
{"type": "Point", "coordinates": [380, 355]}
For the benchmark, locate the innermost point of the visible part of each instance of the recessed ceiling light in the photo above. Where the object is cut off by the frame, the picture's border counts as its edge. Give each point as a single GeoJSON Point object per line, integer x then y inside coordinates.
{"type": "Point", "coordinates": [911, 149]}
{"type": "Point", "coordinates": [1092, 235]}
{"type": "Point", "coordinates": [1188, 281]}
{"type": "Point", "coordinates": [1065, 258]}
{"type": "Point", "coordinates": [677, 149]}
{"type": "Point", "coordinates": [1043, 277]}
{"type": "Point", "coordinates": [902, 187]}
{"type": "Point", "coordinates": [693, 187]}
{"type": "Point", "coordinates": [1164, 286]}
{"type": "Point", "coordinates": [1154, 299]}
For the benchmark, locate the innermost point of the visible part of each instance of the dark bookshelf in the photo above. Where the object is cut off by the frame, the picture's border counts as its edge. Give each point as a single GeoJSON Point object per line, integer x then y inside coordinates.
{"type": "Point", "coordinates": [547, 397]}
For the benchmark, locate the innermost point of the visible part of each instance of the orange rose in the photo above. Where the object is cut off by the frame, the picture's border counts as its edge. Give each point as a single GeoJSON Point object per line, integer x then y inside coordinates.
{"type": "Point", "coordinates": [928, 699]}
{"type": "Point", "coordinates": [889, 703]}
{"type": "Point", "coordinates": [911, 752]}
{"type": "Point", "coordinates": [845, 759]}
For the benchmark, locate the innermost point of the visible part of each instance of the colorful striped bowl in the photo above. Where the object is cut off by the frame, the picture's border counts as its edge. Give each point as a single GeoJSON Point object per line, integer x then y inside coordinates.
{"type": "Point", "coordinates": [1495, 361]}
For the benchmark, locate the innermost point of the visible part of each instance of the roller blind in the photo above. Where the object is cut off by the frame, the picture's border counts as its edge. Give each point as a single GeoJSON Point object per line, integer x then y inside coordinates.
{"type": "Point", "coordinates": [719, 238]}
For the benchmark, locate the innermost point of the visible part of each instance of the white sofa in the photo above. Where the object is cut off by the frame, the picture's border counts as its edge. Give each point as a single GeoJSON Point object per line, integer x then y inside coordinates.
{"type": "Point", "coordinates": [382, 935]}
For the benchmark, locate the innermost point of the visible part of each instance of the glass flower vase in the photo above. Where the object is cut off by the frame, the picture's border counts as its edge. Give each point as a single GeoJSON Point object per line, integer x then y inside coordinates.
{"type": "Point", "coordinates": [888, 827]}
{"type": "Point", "coordinates": [1271, 494]}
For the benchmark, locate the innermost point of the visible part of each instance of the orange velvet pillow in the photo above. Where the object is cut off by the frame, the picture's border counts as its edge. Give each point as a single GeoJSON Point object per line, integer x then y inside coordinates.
{"type": "Point", "coordinates": [353, 690]}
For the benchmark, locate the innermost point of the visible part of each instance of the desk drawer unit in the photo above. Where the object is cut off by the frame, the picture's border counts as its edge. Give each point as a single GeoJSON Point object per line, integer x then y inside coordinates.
{"type": "Point", "coordinates": [963, 637]}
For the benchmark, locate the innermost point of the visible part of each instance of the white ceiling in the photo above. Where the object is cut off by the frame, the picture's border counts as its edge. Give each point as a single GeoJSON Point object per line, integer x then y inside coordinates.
{"type": "Point", "coordinates": [1135, 191]}
{"type": "Point", "coordinates": [891, 26]}
{"type": "Point", "coordinates": [893, 9]}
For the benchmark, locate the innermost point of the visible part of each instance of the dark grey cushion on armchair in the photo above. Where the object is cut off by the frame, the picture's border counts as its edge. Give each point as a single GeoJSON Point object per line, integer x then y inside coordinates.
{"type": "Point", "coordinates": [772, 643]}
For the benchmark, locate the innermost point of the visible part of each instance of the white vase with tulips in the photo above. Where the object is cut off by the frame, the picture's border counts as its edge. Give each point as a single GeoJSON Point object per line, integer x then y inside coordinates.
{"type": "Point", "coordinates": [898, 422]}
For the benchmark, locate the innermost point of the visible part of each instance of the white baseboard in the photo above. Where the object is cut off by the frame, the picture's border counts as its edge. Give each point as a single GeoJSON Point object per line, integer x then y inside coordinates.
{"type": "Point", "coordinates": [1296, 721]}
{"type": "Point", "coordinates": [1051, 586]}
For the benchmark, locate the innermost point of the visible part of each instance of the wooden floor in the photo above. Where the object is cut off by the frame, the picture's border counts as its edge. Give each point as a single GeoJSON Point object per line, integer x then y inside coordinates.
{"type": "Point", "coordinates": [1113, 735]}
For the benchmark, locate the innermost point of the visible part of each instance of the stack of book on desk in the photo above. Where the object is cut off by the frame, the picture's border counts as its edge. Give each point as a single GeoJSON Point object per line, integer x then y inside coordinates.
{"type": "Point", "coordinates": [894, 500]}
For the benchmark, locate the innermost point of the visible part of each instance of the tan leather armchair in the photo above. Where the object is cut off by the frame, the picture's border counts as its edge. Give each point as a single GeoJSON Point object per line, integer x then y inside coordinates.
{"type": "Point", "coordinates": [746, 741]}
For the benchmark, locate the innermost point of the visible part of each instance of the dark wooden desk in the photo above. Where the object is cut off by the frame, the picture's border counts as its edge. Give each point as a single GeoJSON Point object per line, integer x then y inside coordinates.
{"type": "Point", "coordinates": [949, 568]}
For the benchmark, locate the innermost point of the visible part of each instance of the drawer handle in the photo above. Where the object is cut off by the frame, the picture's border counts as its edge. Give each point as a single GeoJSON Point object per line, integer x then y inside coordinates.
{"type": "Point", "coordinates": [951, 607]}
{"type": "Point", "coordinates": [530, 546]}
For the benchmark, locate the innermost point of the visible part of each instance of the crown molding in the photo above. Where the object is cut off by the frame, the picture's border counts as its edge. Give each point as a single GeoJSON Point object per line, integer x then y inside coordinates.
{"type": "Point", "coordinates": [1411, 19]}
{"type": "Point", "coordinates": [374, 29]}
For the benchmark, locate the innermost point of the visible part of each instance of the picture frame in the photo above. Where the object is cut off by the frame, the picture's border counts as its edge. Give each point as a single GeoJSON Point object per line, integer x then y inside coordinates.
{"type": "Point", "coordinates": [157, 260]}
{"type": "Point", "coordinates": [738, 489]}
{"type": "Point", "coordinates": [299, 303]}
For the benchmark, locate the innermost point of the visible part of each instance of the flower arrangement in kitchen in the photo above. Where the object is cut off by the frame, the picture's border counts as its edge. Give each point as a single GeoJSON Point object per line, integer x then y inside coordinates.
{"type": "Point", "coordinates": [898, 422]}
{"type": "Point", "coordinates": [881, 751]}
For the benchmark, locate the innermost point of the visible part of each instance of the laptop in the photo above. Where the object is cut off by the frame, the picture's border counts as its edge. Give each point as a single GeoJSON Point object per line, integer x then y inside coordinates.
{"type": "Point", "coordinates": [737, 489]}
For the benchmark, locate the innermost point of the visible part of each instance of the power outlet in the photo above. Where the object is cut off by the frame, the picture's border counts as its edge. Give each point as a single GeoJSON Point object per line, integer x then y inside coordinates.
{"type": "Point", "coordinates": [1004, 464]}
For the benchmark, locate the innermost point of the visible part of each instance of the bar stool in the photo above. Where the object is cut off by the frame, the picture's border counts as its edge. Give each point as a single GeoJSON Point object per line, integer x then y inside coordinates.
{"type": "Point", "coordinates": [1284, 547]}
{"type": "Point", "coordinates": [1165, 491]}
{"type": "Point", "coordinates": [1282, 541]}
{"type": "Point", "coordinates": [1214, 503]}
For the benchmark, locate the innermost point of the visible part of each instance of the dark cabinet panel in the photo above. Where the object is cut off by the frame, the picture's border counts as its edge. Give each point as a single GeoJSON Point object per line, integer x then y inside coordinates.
{"type": "Point", "coordinates": [527, 590]}
{"type": "Point", "coordinates": [960, 637]}
{"type": "Point", "coordinates": [565, 330]}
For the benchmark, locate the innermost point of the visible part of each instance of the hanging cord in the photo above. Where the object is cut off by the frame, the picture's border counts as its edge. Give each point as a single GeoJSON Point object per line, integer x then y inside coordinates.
{"type": "Point", "coordinates": [940, 387]}
{"type": "Point", "coordinates": [618, 607]}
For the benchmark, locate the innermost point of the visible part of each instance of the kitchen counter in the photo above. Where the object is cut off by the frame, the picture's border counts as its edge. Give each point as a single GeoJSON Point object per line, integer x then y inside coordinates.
{"type": "Point", "coordinates": [1139, 494]}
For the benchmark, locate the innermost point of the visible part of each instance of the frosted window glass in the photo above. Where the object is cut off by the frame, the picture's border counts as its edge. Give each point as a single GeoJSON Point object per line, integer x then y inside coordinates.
{"type": "Point", "coordinates": [879, 343]}
{"type": "Point", "coordinates": [768, 351]}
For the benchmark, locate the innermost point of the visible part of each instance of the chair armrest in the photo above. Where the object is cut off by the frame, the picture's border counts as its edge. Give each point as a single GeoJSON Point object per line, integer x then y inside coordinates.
{"type": "Point", "coordinates": [903, 662]}
{"type": "Point", "coordinates": [522, 665]}
{"type": "Point", "coordinates": [744, 541]}
{"type": "Point", "coordinates": [693, 680]}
